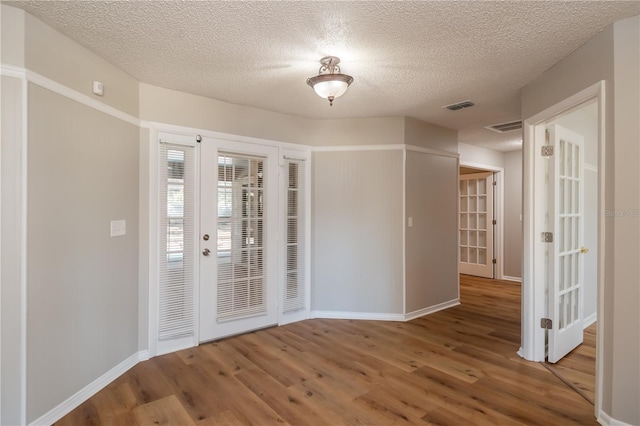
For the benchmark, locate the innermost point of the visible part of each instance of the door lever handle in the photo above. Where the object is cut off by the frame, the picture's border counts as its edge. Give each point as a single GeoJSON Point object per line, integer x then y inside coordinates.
{"type": "Point", "coordinates": [206, 252]}
{"type": "Point", "coordinates": [584, 250]}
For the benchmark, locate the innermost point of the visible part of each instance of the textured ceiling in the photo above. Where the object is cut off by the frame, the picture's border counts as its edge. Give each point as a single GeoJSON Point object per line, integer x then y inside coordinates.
{"type": "Point", "coordinates": [407, 58]}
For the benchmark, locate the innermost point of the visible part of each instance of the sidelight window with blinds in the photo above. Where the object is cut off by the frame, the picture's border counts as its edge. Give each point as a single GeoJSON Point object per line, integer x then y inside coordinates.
{"type": "Point", "coordinates": [294, 256]}
{"type": "Point", "coordinates": [176, 293]}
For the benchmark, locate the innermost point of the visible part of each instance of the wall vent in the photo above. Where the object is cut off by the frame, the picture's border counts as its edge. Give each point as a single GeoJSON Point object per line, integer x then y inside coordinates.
{"type": "Point", "coordinates": [459, 105]}
{"type": "Point", "coordinates": [506, 127]}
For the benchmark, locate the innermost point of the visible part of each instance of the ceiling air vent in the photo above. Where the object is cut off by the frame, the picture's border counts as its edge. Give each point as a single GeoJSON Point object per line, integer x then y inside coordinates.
{"type": "Point", "coordinates": [459, 105]}
{"type": "Point", "coordinates": [506, 127]}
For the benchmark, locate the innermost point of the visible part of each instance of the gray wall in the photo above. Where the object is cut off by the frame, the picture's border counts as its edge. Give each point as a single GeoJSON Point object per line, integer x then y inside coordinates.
{"type": "Point", "coordinates": [11, 257]}
{"type": "Point", "coordinates": [432, 243]}
{"type": "Point", "coordinates": [82, 284]}
{"type": "Point", "coordinates": [82, 165]}
{"type": "Point", "coordinates": [357, 231]}
{"type": "Point", "coordinates": [611, 56]}
{"type": "Point", "coordinates": [626, 264]}
{"type": "Point", "coordinates": [512, 237]}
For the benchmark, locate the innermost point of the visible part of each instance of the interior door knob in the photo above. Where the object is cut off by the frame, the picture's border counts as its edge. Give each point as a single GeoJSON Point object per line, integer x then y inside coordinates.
{"type": "Point", "coordinates": [206, 252]}
{"type": "Point", "coordinates": [584, 250]}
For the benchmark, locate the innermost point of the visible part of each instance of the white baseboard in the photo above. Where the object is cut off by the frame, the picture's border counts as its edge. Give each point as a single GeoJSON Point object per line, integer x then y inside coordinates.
{"type": "Point", "coordinates": [514, 279]}
{"type": "Point", "coordinates": [606, 420]}
{"type": "Point", "coordinates": [91, 389]}
{"type": "Point", "coordinates": [586, 322]}
{"type": "Point", "coordinates": [373, 316]}
{"type": "Point", "coordinates": [431, 309]}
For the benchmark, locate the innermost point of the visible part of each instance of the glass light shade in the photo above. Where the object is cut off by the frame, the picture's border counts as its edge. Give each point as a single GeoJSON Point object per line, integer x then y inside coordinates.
{"type": "Point", "coordinates": [330, 85]}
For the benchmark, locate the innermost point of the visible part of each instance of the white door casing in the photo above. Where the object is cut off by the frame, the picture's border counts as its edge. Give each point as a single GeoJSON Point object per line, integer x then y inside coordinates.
{"type": "Point", "coordinates": [566, 268]}
{"type": "Point", "coordinates": [239, 213]}
{"type": "Point", "coordinates": [476, 228]}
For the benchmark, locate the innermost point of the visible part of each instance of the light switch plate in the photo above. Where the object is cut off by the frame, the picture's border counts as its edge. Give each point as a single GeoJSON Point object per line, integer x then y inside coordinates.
{"type": "Point", "coordinates": [410, 222]}
{"type": "Point", "coordinates": [118, 228]}
{"type": "Point", "coordinates": [98, 88]}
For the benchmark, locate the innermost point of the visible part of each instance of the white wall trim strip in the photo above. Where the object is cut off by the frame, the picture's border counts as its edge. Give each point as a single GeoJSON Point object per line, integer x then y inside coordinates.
{"type": "Point", "coordinates": [88, 391]}
{"type": "Point", "coordinates": [514, 279]}
{"type": "Point", "coordinates": [12, 71]}
{"type": "Point", "coordinates": [372, 316]}
{"type": "Point", "coordinates": [431, 309]}
{"type": "Point", "coordinates": [60, 89]}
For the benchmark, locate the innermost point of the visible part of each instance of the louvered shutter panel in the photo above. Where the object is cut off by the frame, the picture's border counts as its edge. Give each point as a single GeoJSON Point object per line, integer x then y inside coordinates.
{"type": "Point", "coordinates": [176, 308]}
{"type": "Point", "coordinates": [294, 294]}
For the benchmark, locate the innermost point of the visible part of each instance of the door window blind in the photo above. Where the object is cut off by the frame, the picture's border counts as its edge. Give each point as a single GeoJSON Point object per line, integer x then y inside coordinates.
{"type": "Point", "coordinates": [241, 237]}
{"type": "Point", "coordinates": [176, 308]}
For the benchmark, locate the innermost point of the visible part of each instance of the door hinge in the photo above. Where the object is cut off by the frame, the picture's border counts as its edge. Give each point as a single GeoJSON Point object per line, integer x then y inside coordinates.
{"type": "Point", "coordinates": [494, 261]}
{"type": "Point", "coordinates": [495, 222]}
{"type": "Point", "coordinates": [495, 183]}
{"type": "Point", "coordinates": [547, 237]}
{"type": "Point", "coordinates": [546, 323]}
{"type": "Point", "coordinates": [546, 151]}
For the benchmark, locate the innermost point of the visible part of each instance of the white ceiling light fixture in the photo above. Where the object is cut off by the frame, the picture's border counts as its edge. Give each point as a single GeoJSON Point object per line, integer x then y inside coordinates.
{"type": "Point", "coordinates": [330, 83]}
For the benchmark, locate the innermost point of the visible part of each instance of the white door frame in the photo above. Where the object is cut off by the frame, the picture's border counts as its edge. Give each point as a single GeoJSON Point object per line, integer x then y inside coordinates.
{"type": "Point", "coordinates": [149, 211]}
{"type": "Point", "coordinates": [498, 243]}
{"type": "Point", "coordinates": [533, 289]}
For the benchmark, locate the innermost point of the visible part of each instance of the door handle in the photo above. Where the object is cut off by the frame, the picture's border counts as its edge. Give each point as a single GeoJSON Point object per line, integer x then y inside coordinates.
{"type": "Point", "coordinates": [206, 252]}
{"type": "Point", "coordinates": [584, 250]}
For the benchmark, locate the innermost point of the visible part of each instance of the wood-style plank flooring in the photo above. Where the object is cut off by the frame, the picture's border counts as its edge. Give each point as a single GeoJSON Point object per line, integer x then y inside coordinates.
{"type": "Point", "coordinates": [454, 367]}
{"type": "Point", "coordinates": [578, 369]}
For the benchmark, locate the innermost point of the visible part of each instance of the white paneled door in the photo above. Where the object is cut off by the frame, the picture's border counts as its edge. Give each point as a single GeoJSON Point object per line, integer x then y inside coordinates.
{"type": "Point", "coordinates": [566, 207]}
{"type": "Point", "coordinates": [238, 238]}
{"type": "Point", "coordinates": [476, 224]}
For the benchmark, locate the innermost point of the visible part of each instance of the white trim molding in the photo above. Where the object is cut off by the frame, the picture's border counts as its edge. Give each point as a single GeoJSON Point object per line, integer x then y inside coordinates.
{"type": "Point", "coordinates": [371, 316]}
{"type": "Point", "coordinates": [62, 90]}
{"type": "Point", "coordinates": [431, 309]}
{"type": "Point", "coordinates": [375, 316]}
{"type": "Point", "coordinates": [68, 405]}
{"type": "Point", "coordinates": [606, 420]}
{"type": "Point", "coordinates": [514, 279]}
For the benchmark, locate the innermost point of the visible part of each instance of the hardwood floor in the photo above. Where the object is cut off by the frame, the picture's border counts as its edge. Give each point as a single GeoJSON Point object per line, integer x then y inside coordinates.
{"type": "Point", "coordinates": [454, 367]}
{"type": "Point", "coordinates": [578, 369]}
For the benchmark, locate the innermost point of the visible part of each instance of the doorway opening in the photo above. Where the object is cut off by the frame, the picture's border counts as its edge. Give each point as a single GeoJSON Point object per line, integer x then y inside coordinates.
{"type": "Point", "coordinates": [563, 233]}
{"type": "Point", "coordinates": [480, 220]}
{"type": "Point", "coordinates": [477, 222]}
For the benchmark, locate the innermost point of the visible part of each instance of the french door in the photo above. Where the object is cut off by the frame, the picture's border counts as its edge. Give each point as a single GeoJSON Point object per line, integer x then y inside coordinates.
{"type": "Point", "coordinates": [566, 268]}
{"type": "Point", "coordinates": [476, 224]}
{"type": "Point", "coordinates": [238, 238]}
